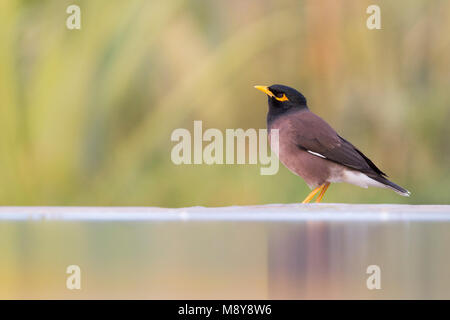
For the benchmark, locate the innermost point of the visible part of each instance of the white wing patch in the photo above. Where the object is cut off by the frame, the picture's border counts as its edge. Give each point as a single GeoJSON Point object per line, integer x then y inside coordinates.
{"type": "Point", "coordinates": [316, 154]}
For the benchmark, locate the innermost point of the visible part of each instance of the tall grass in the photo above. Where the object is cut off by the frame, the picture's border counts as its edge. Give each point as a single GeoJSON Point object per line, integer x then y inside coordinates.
{"type": "Point", "coordinates": [86, 115]}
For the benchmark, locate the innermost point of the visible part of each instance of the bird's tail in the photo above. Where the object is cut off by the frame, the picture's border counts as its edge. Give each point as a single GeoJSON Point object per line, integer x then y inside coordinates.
{"type": "Point", "coordinates": [401, 191]}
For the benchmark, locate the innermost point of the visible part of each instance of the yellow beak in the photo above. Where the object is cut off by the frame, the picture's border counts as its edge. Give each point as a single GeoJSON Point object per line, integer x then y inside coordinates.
{"type": "Point", "coordinates": [265, 89]}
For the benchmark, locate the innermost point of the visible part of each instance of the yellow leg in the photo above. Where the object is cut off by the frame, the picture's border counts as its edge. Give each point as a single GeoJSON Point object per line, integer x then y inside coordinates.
{"type": "Point", "coordinates": [322, 193]}
{"type": "Point", "coordinates": [312, 194]}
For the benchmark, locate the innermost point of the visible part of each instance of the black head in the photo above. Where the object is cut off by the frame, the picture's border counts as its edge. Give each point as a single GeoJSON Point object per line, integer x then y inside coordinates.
{"type": "Point", "coordinates": [282, 99]}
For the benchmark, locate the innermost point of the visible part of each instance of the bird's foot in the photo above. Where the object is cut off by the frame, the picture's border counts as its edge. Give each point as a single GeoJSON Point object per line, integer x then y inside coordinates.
{"type": "Point", "coordinates": [322, 193]}
{"type": "Point", "coordinates": [322, 188]}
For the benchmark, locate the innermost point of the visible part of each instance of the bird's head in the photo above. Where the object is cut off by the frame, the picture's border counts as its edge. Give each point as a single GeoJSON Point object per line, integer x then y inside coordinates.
{"type": "Point", "coordinates": [283, 98]}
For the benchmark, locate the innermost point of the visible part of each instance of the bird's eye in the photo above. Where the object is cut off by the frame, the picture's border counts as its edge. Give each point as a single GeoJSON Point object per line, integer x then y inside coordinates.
{"type": "Point", "coordinates": [281, 96]}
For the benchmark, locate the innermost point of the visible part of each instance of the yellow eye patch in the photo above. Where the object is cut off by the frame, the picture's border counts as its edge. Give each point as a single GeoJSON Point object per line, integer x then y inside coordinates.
{"type": "Point", "coordinates": [283, 98]}
{"type": "Point", "coordinates": [267, 91]}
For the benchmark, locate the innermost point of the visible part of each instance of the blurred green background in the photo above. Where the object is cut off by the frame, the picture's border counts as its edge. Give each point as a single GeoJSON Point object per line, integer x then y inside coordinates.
{"type": "Point", "coordinates": [86, 115]}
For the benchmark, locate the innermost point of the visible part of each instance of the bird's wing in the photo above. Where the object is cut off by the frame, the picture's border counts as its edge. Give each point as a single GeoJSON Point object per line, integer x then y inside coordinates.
{"type": "Point", "coordinates": [313, 134]}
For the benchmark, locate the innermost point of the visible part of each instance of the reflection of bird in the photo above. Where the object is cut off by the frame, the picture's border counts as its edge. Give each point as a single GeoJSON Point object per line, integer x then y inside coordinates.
{"type": "Point", "coordinates": [310, 148]}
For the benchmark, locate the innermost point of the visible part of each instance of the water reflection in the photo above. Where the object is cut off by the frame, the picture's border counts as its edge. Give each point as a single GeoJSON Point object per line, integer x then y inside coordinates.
{"type": "Point", "coordinates": [315, 260]}
{"type": "Point", "coordinates": [201, 259]}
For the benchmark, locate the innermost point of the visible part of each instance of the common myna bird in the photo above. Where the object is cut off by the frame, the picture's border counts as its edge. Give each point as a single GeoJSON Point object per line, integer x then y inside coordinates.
{"type": "Point", "coordinates": [311, 149]}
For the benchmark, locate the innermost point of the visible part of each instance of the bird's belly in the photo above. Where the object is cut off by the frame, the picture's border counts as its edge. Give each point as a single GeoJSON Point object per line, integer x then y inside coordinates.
{"type": "Point", "coordinates": [313, 169]}
{"type": "Point", "coordinates": [354, 177]}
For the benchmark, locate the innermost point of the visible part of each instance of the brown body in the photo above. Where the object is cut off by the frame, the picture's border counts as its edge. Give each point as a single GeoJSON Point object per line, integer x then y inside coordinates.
{"type": "Point", "coordinates": [311, 148]}
{"type": "Point", "coordinates": [313, 169]}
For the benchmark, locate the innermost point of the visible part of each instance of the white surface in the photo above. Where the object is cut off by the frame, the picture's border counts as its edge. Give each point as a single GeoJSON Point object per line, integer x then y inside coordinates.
{"type": "Point", "coordinates": [275, 212]}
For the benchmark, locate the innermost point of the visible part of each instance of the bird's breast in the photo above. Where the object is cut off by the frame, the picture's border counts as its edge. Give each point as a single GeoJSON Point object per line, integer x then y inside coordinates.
{"type": "Point", "coordinates": [313, 169]}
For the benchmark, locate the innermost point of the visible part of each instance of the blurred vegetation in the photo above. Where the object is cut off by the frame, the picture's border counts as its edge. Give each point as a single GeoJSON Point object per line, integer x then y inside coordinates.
{"type": "Point", "coordinates": [86, 115]}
